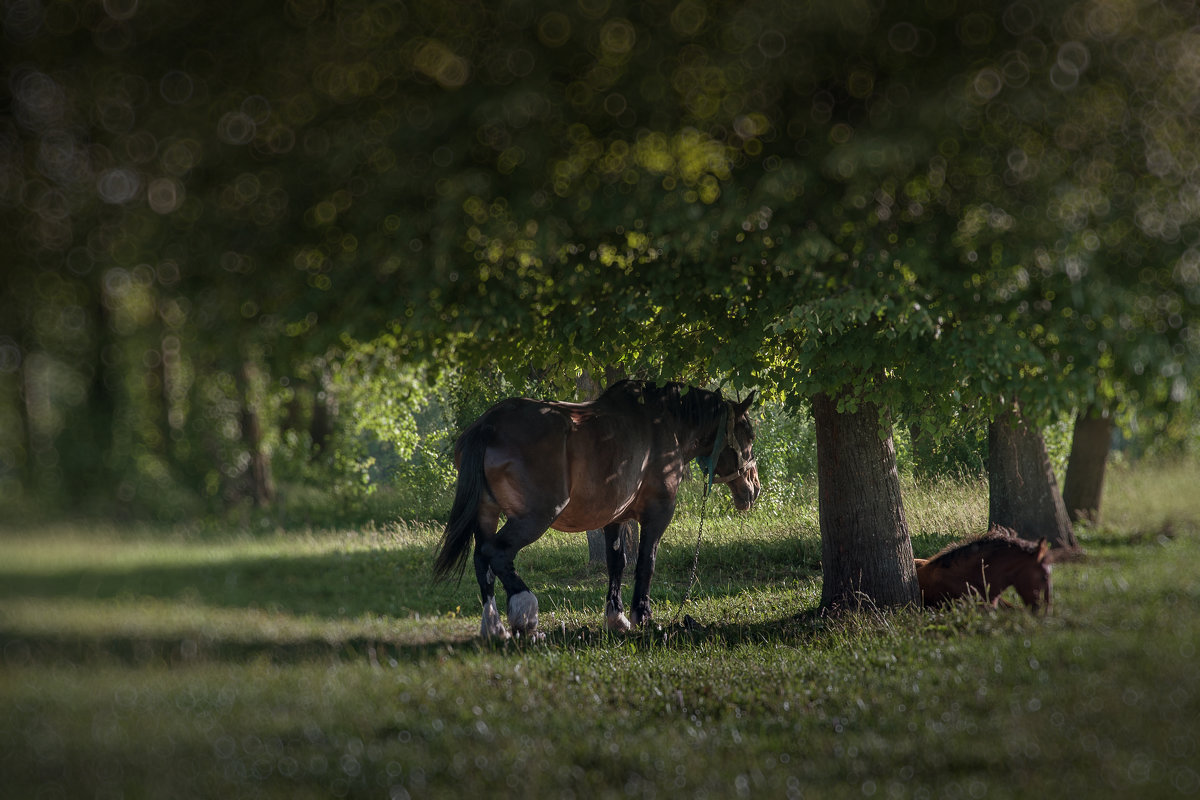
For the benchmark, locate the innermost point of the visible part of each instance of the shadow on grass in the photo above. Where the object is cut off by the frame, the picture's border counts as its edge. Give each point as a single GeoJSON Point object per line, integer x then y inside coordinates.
{"type": "Point", "coordinates": [376, 585]}
{"type": "Point", "coordinates": [804, 628]}
{"type": "Point", "coordinates": [393, 582]}
{"type": "Point", "coordinates": [27, 650]}
{"type": "Point", "coordinates": [333, 586]}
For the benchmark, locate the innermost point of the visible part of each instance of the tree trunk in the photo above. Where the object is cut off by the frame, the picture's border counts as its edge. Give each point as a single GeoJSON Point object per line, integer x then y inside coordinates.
{"type": "Point", "coordinates": [629, 538]}
{"type": "Point", "coordinates": [99, 432]}
{"type": "Point", "coordinates": [1084, 483]}
{"type": "Point", "coordinates": [1023, 494]}
{"type": "Point", "coordinates": [324, 414]}
{"type": "Point", "coordinates": [867, 557]}
{"type": "Point", "coordinates": [262, 483]}
{"type": "Point", "coordinates": [34, 407]}
{"type": "Point", "coordinates": [173, 395]}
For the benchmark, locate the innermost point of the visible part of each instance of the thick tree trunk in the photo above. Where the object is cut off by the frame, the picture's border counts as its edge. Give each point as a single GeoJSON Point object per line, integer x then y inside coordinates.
{"type": "Point", "coordinates": [262, 482]}
{"type": "Point", "coordinates": [867, 556]}
{"type": "Point", "coordinates": [1084, 483]}
{"type": "Point", "coordinates": [98, 433]}
{"type": "Point", "coordinates": [1023, 494]}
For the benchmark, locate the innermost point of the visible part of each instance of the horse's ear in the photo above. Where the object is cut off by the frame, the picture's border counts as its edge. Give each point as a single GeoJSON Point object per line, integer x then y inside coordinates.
{"type": "Point", "coordinates": [744, 406]}
{"type": "Point", "coordinates": [1043, 549]}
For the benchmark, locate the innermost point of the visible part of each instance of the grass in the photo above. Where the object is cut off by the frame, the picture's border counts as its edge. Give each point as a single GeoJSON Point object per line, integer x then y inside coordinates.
{"type": "Point", "coordinates": [201, 663]}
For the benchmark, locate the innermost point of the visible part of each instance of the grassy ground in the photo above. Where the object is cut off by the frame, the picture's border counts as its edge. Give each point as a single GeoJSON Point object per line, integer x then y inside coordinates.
{"type": "Point", "coordinates": [200, 663]}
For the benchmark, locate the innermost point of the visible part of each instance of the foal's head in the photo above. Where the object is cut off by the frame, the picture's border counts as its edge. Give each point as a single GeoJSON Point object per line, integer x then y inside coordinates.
{"type": "Point", "coordinates": [1031, 576]}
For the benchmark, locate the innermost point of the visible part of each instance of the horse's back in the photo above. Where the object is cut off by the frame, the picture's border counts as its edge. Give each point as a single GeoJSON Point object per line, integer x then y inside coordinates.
{"type": "Point", "coordinates": [581, 462]}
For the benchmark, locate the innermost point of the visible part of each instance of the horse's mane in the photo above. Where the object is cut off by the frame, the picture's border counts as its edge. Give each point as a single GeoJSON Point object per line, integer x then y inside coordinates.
{"type": "Point", "coordinates": [692, 406]}
{"type": "Point", "coordinates": [998, 538]}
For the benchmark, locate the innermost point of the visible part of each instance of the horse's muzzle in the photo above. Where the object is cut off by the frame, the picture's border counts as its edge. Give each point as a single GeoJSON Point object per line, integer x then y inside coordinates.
{"type": "Point", "coordinates": [745, 489]}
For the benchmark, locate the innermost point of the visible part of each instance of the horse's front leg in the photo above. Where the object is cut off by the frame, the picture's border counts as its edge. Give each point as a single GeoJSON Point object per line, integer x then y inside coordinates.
{"type": "Point", "coordinates": [654, 523]}
{"type": "Point", "coordinates": [614, 547]}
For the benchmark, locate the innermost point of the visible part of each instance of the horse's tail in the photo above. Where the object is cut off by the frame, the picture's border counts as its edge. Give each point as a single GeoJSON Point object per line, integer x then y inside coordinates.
{"type": "Point", "coordinates": [463, 525]}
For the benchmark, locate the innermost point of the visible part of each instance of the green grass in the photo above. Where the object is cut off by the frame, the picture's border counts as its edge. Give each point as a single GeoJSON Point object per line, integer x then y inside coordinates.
{"type": "Point", "coordinates": [202, 663]}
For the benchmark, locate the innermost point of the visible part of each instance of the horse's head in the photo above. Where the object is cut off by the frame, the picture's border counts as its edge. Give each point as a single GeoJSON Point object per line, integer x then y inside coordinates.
{"type": "Point", "coordinates": [735, 463]}
{"type": "Point", "coordinates": [1032, 580]}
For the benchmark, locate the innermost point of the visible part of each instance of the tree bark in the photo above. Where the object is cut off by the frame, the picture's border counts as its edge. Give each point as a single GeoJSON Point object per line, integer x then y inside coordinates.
{"type": "Point", "coordinates": [1084, 483]}
{"type": "Point", "coordinates": [867, 557]}
{"type": "Point", "coordinates": [1023, 493]}
{"type": "Point", "coordinates": [262, 482]}
{"type": "Point", "coordinates": [629, 540]}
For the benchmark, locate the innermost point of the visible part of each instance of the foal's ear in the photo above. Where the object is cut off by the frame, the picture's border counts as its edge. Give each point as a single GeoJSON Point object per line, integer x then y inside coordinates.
{"type": "Point", "coordinates": [1043, 549]}
{"type": "Point", "coordinates": [744, 406]}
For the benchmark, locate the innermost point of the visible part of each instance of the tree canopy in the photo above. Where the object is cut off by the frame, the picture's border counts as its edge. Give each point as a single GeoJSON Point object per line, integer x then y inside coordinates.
{"type": "Point", "coordinates": [919, 206]}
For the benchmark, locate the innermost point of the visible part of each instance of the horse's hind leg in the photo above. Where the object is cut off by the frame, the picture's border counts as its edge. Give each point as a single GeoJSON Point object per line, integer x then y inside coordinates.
{"type": "Point", "coordinates": [491, 627]}
{"type": "Point", "coordinates": [614, 547]}
{"type": "Point", "coordinates": [498, 554]}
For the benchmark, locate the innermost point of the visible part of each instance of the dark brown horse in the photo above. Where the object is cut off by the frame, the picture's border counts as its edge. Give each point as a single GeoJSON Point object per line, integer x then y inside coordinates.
{"type": "Point", "coordinates": [984, 567]}
{"type": "Point", "coordinates": [583, 466]}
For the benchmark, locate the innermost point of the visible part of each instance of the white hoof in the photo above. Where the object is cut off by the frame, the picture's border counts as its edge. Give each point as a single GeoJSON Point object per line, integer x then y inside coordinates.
{"type": "Point", "coordinates": [493, 626]}
{"type": "Point", "coordinates": [618, 622]}
{"type": "Point", "coordinates": [523, 612]}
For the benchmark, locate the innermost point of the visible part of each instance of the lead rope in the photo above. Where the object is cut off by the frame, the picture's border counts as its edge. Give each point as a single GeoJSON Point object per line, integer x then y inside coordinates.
{"type": "Point", "coordinates": [712, 466]}
{"type": "Point", "coordinates": [687, 596]}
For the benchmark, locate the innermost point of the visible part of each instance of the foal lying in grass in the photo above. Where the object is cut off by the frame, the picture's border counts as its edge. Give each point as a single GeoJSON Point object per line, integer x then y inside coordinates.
{"type": "Point", "coordinates": [984, 567]}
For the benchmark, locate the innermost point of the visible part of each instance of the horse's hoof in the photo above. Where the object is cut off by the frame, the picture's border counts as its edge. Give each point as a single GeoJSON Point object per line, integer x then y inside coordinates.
{"type": "Point", "coordinates": [492, 626]}
{"type": "Point", "coordinates": [523, 612]}
{"type": "Point", "coordinates": [618, 622]}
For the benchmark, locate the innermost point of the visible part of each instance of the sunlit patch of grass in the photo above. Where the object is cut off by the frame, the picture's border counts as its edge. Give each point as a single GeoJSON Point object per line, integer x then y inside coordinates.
{"type": "Point", "coordinates": [946, 508]}
{"type": "Point", "coordinates": [1150, 499]}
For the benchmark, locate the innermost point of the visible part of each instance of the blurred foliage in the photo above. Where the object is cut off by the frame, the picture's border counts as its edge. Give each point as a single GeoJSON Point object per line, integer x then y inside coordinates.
{"type": "Point", "coordinates": [250, 221]}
